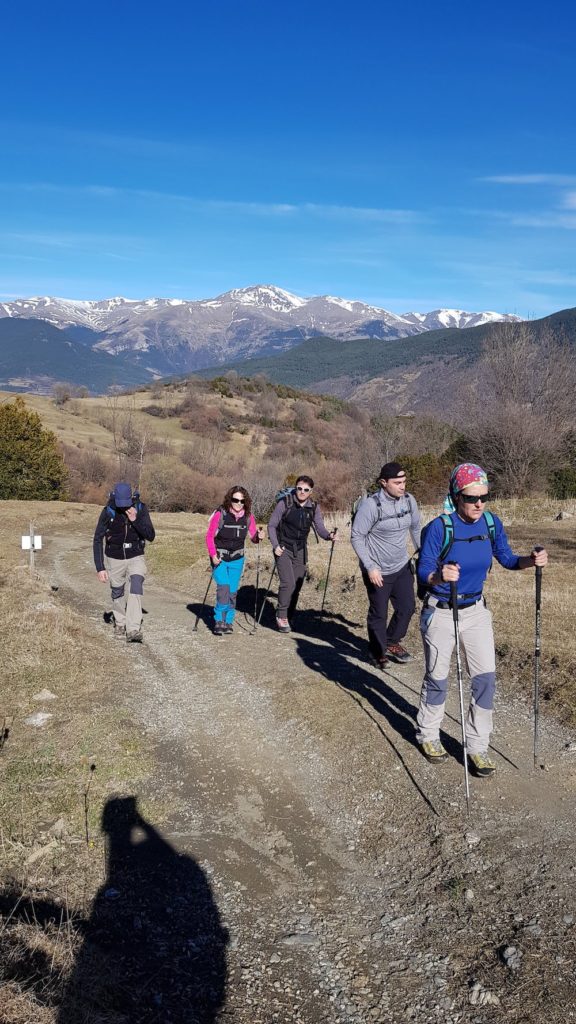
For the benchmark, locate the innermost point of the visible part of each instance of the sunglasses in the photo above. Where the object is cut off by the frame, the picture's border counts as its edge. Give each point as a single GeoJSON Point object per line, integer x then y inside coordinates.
{"type": "Point", "coordinates": [472, 499]}
{"type": "Point", "coordinates": [239, 501]}
{"type": "Point", "coordinates": [306, 490]}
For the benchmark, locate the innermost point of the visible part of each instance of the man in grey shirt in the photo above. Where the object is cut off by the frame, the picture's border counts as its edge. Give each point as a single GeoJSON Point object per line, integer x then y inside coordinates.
{"type": "Point", "coordinates": [379, 536]}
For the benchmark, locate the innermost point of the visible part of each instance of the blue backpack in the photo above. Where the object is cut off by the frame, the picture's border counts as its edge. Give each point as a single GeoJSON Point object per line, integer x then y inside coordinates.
{"type": "Point", "coordinates": [448, 540]}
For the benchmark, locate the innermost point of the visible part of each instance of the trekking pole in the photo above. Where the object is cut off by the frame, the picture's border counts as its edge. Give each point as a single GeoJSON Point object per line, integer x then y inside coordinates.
{"type": "Point", "coordinates": [257, 622]}
{"type": "Point", "coordinates": [195, 626]}
{"type": "Point", "coordinates": [454, 603]}
{"type": "Point", "coordinates": [334, 532]}
{"type": "Point", "coordinates": [257, 581]}
{"type": "Point", "coordinates": [537, 661]}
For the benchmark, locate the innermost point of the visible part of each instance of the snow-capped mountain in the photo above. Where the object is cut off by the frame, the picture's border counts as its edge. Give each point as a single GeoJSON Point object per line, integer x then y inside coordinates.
{"type": "Point", "coordinates": [179, 336]}
{"type": "Point", "coordinates": [439, 319]}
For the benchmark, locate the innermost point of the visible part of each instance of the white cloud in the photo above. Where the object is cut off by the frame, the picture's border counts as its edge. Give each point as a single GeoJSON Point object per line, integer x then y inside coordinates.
{"type": "Point", "coordinates": [561, 180]}
{"type": "Point", "coordinates": [565, 221]}
{"type": "Point", "coordinates": [329, 211]}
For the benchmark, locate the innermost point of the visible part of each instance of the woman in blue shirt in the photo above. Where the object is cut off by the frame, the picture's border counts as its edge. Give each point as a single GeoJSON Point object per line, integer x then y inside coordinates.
{"type": "Point", "coordinates": [467, 562]}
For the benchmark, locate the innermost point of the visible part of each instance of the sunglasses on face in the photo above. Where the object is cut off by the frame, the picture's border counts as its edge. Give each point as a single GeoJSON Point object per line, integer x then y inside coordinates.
{"type": "Point", "coordinates": [306, 490]}
{"type": "Point", "coordinates": [239, 501]}
{"type": "Point", "coordinates": [472, 499]}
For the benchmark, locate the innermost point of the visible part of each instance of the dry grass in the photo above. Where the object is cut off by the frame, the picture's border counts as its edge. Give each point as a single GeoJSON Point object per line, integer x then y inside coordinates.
{"type": "Point", "coordinates": [85, 423]}
{"type": "Point", "coordinates": [51, 798]}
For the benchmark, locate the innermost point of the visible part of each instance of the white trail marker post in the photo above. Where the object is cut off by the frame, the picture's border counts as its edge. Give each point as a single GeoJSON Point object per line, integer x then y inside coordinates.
{"type": "Point", "coordinates": [32, 543]}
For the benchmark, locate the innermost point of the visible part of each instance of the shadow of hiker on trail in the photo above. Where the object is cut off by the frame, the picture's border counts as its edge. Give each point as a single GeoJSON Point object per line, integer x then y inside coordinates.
{"type": "Point", "coordinates": [154, 948]}
{"type": "Point", "coordinates": [334, 628]}
{"type": "Point", "coordinates": [366, 687]}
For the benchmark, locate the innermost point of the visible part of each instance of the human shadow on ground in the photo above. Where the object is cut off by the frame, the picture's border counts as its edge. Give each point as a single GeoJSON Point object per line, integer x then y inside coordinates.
{"type": "Point", "coordinates": [245, 605]}
{"type": "Point", "coordinates": [201, 612]}
{"type": "Point", "coordinates": [334, 630]}
{"type": "Point", "coordinates": [332, 627]}
{"type": "Point", "coordinates": [108, 617]}
{"type": "Point", "coordinates": [364, 688]}
{"type": "Point", "coordinates": [153, 948]}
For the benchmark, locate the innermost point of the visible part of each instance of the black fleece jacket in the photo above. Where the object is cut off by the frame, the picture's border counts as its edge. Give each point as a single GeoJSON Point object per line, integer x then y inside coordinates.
{"type": "Point", "coordinates": [117, 537]}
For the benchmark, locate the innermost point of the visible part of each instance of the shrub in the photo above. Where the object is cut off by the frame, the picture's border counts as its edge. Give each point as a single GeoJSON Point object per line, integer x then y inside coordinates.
{"type": "Point", "coordinates": [170, 486]}
{"type": "Point", "coordinates": [221, 387]}
{"type": "Point", "coordinates": [31, 465]}
{"type": "Point", "coordinates": [89, 474]}
{"type": "Point", "coordinates": [427, 475]}
{"type": "Point", "coordinates": [562, 483]}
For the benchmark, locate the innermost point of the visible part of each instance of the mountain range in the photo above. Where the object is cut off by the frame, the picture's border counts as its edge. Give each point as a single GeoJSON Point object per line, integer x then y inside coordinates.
{"type": "Point", "coordinates": [158, 337]}
{"type": "Point", "coordinates": [422, 373]}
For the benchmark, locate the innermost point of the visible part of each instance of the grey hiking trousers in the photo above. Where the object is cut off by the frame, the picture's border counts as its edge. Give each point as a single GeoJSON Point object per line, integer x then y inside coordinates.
{"type": "Point", "coordinates": [127, 606]}
{"type": "Point", "coordinates": [291, 566]}
{"type": "Point", "coordinates": [479, 660]}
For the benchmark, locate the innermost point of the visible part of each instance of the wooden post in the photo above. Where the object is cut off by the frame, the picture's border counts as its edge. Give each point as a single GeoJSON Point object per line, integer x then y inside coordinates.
{"type": "Point", "coordinates": [31, 548]}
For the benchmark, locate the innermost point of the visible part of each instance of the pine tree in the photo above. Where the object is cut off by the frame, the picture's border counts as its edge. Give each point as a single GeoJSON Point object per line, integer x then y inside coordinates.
{"type": "Point", "coordinates": [31, 466]}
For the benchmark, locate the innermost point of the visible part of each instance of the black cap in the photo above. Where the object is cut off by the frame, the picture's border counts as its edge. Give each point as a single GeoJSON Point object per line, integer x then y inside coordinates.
{"type": "Point", "coordinates": [390, 470]}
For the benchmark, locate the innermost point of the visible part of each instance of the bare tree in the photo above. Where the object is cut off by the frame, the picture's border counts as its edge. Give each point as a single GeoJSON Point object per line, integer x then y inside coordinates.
{"type": "Point", "coordinates": [61, 393]}
{"type": "Point", "coordinates": [520, 411]}
{"type": "Point", "coordinates": [263, 483]}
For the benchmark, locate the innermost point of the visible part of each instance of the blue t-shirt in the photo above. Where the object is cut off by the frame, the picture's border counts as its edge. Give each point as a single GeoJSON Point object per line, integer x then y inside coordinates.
{"type": "Point", "coordinates": [474, 555]}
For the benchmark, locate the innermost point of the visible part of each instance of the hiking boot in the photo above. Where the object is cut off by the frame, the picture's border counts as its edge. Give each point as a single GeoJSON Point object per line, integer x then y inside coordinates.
{"type": "Point", "coordinates": [398, 654]}
{"type": "Point", "coordinates": [135, 637]}
{"type": "Point", "coordinates": [283, 625]}
{"type": "Point", "coordinates": [218, 628]}
{"type": "Point", "coordinates": [433, 751]}
{"type": "Point", "coordinates": [481, 764]}
{"type": "Point", "coordinates": [379, 662]}
{"type": "Point", "coordinates": [119, 632]}
{"type": "Point", "coordinates": [228, 627]}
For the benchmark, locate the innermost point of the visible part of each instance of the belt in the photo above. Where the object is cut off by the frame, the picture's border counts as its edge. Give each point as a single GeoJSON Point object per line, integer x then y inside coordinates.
{"type": "Point", "coordinates": [447, 604]}
{"type": "Point", "coordinates": [229, 556]}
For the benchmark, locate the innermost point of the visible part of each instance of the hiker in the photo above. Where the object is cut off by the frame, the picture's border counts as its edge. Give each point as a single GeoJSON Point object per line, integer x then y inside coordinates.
{"type": "Point", "coordinates": [123, 528]}
{"type": "Point", "coordinates": [226, 536]}
{"type": "Point", "coordinates": [290, 523]}
{"type": "Point", "coordinates": [380, 529]}
{"type": "Point", "coordinates": [474, 537]}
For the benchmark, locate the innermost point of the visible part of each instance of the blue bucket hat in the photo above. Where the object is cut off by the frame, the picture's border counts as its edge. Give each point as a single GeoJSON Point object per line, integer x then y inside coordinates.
{"type": "Point", "coordinates": [122, 495]}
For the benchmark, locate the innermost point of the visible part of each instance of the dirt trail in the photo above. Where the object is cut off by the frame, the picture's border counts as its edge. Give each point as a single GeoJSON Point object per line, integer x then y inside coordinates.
{"type": "Point", "coordinates": [351, 883]}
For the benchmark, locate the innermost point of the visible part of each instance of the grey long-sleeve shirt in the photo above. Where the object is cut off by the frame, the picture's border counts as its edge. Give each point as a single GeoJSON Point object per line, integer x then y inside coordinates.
{"type": "Point", "coordinates": [379, 536]}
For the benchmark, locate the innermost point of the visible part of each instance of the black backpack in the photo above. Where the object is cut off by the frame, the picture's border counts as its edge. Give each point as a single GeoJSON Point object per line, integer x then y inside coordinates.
{"type": "Point", "coordinates": [287, 496]}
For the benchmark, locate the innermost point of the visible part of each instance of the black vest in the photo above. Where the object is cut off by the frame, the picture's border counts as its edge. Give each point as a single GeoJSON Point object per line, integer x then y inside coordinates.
{"type": "Point", "coordinates": [295, 525]}
{"type": "Point", "coordinates": [122, 540]}
{"type": "Point", "coordinates": [231, 536]}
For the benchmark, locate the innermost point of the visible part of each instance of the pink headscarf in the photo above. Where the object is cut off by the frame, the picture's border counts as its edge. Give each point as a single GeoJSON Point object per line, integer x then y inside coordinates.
{"type": "Point", "coordinates": [465, 474]}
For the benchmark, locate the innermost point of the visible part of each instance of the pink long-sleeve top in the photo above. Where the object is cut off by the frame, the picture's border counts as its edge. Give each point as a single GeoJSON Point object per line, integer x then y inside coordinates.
{"type": "Point", "coordinates": [213, 529]}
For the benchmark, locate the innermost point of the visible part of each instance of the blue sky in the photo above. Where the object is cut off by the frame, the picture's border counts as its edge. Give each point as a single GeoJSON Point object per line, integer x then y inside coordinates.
{"type": "Point", "coordinates": [410, 158]}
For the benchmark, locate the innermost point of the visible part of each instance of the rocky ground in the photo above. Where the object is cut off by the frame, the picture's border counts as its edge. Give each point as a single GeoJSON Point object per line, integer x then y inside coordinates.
{"type": "Point", "coordinates": [332, 874]}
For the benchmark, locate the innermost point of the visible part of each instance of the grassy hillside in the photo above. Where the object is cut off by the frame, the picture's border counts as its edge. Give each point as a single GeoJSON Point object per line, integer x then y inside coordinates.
{"type": "Point", "coordinates": [185, 443]}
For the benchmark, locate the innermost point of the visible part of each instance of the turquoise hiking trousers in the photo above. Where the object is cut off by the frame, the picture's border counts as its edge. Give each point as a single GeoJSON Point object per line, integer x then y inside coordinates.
{"type": "Point", "coordinates": [227, 576]}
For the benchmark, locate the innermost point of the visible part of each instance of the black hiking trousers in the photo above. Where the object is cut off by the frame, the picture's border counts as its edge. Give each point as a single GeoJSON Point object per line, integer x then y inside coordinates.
{"type": "Point", "coordinates": [398, 590]}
